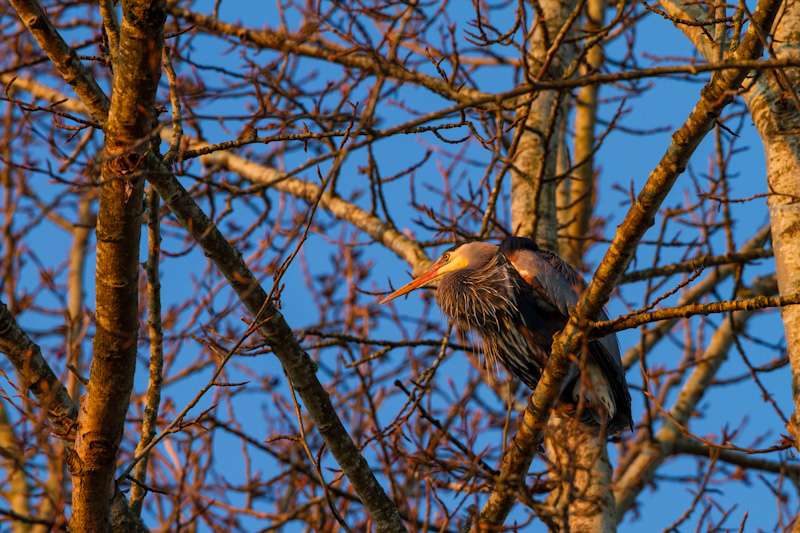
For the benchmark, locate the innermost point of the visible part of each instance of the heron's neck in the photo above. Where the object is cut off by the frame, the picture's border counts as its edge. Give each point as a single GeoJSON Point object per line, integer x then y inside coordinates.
{"type": "Point", "coordinates": [473, 295]}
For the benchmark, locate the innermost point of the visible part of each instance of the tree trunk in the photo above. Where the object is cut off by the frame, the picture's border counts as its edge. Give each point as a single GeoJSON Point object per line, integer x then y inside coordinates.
{"type": "Point", "coordinates": [101, 418]}
{"type": "Point", "coordinates": [579, 461]}
{"type": "Point", "coordinates": [533, 186]}
{"type": "Point", "coordinates": [775, 109]}
{"type": "Point", "coordinates": [581, 200]}
{"type": "Point", "coordinates": [580, 465]}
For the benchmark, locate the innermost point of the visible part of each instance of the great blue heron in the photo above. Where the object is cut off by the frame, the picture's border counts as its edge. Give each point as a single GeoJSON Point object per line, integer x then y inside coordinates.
{"type": "Point", "coordinates": [516, 297]}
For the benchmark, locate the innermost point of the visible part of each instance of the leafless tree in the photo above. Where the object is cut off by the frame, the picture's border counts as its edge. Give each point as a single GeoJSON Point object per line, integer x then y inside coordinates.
{"type": "Point", "coordinates": [232, 370]}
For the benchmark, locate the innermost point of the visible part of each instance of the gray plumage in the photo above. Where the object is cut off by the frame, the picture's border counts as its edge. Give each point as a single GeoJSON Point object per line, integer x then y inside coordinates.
{"type": "Point", "coordinates": [516, 296]}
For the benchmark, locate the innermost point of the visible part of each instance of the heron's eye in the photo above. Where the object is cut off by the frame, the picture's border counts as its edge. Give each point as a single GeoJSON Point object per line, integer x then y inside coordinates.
{"type": "Point", "coordinates": [446, 256]}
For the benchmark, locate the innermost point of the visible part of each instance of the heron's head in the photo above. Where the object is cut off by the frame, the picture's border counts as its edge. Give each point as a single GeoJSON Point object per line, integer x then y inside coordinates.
{"type": "Point", "coordinates": [469, 254]}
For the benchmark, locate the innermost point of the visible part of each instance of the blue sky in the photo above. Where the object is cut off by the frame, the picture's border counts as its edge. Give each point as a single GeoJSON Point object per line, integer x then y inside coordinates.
{"type": "Point", "coordinates": [625, 159]}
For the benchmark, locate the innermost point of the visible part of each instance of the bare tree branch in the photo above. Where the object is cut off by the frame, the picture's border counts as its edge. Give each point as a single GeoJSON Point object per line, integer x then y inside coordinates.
{"type": "Point", "coordinates": [64, 57]}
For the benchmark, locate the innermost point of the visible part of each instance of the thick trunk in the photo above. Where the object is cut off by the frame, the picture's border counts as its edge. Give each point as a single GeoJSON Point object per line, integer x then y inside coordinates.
{"type": "Point", "coordinates": [579, 461]}
{"type": "Point", "coordinates": [101, 418]}
{"type": "Point", "coordinates": [581, 191]}
{"type": "Point", "coordinates": [533, 203]}
{"type": "Point", "coordinates": [773, 105]}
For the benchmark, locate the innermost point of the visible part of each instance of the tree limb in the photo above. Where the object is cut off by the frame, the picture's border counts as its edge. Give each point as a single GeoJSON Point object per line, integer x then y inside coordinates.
{"type": "Point", "coordinates": [606, 327]}
{"type": "Point", "coordinates": [63, 57]}
{"type": "Point", "coordinates": [102, 414]}
{"type": "Point", "coordinates": [36, 375]}
{"type": "Point", "coordinates": [372, 225]}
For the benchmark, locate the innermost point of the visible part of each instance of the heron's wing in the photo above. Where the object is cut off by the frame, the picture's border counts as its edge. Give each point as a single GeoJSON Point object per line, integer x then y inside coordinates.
{"type": "Point", "coordinates": [554, 280]}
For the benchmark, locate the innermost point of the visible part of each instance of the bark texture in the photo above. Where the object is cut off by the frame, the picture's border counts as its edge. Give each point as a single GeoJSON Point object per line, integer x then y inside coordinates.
{"type": "Point", "coordinates": [582, 198]}
{"type": "Point", "coordinates": [533, 198]}
{"type": "Point", "coordinates": [581, 500]}
{"type": "Point", "coordinates": [101, 419]}
{"type": "Point", "coordinates": [773, 105]}
{"type": "Point", "coordinates": [36, 375]}
{"type": "Point", "coordinates": [63, 57]}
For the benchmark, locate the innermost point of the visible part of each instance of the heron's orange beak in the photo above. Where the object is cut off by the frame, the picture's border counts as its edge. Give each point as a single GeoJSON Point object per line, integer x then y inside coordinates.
{"type": "Point", "coordinates": [427, 277]}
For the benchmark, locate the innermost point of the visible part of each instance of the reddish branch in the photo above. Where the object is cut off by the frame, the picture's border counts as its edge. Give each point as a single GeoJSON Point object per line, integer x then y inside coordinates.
{"type": "Point", "coordinates": [694, 264]}
{"type": "Point", "coordinates": [63, 57]}
{"type": "Point", "coordinates": [601, 329]}
{"type": "Point", "coordinates": [114, 339]}
{"type": "Point", "coordinates": [296, 363]}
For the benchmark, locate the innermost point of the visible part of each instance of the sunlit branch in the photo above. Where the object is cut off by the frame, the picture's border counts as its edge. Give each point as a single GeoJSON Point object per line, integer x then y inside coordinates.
{"type": "Point", "coordinates": [63, 57]}
{"type": "Point", "coordinates": [156, 335]}
{"type": "Point", "coordinates": [326, 51]}
{"type": "Point", "coordinates": [110, 24]}
{"type": "Point", "coordinates": [693, 294]}
{"type": "Point", "coordinates": [604, 328]}
{"type": "Point", "coordinates": [304, 137]}
{"type": "Point", "coordinates": [279, 335]}
{"type": "Point", "coordinates": [37, 375]}
{"type": "Point", "coordinates": [691, 447]}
